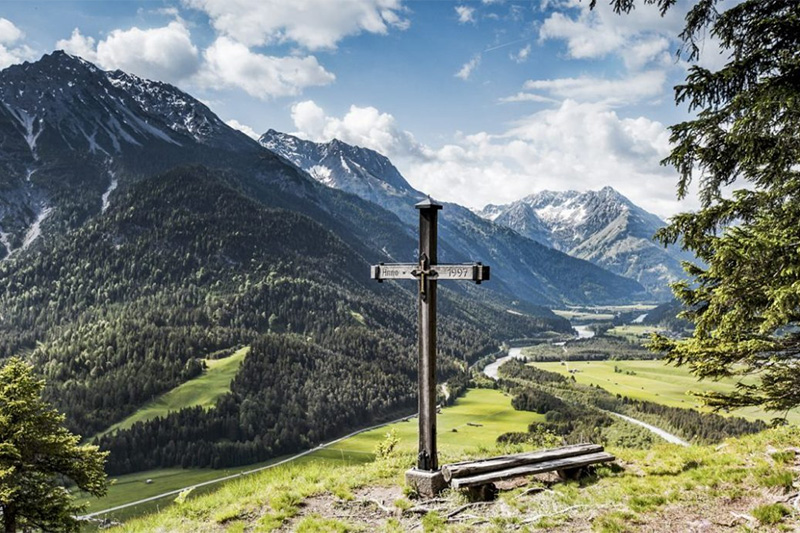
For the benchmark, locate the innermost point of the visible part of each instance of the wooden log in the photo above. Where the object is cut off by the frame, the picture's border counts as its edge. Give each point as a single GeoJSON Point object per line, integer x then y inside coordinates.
{"type": "Point", "coordinates": [530, 469]}
{"type": "Point", "coordinates": [471, 468]}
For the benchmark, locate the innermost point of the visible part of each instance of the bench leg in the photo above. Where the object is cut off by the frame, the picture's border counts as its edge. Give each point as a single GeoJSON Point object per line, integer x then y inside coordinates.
{"type": "Point", "coordinates": [571, 474]}
{"type": "Point", "coordinates": [482, 493]}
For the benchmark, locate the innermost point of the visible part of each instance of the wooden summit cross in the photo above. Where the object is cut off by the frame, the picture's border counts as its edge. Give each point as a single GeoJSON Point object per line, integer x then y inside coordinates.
{"type": "Point", "coordinates": [428, 271]}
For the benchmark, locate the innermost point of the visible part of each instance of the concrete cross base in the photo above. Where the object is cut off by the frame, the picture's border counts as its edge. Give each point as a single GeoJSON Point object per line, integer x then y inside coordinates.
{"type": "Point", "coordinates": [428, 484]}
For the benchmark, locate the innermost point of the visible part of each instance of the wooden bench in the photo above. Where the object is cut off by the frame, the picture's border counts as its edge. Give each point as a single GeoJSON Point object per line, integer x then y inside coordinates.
{"type": "Point", "coordinates": [479, 476]}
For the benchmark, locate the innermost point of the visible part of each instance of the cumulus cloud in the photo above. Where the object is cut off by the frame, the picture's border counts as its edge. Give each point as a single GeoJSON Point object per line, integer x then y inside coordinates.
{"type": "Point", "coordinates": [465, 14]}
{"type": "Point", "coordinates": [11, 50]}
{"type": "Point", "coordinates": [575, 146]}
{"type": "Point", "coordinates": [361, 126]}
{"type": "Point", "coordinates": [232, 64]}
{"type": "Point", "coordinates": [626, 90]}
{"type": "Point", "coordinates": [9, 33]}
{"type": "Point", "coordinates": [572, 146]}
{"type": "Point", "coordinates": [639, 36]}
{"type": "Point", "coordinates": [164, 53]}
{"type": "Point", "coordinates": [244, 128]}
{"type": "Point", "coordinates": [79, 45]}
{"type": "Point", "coordinates": [313, 24]}
{"type": "Point", "coordinates": [467, 68]}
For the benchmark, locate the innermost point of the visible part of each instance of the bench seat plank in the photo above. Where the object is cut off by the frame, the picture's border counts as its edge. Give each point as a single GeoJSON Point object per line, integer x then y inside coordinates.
{"type": "Point", "coordinates": [538, 468]}
{"type": "Point", "coordinates": [471, 468]}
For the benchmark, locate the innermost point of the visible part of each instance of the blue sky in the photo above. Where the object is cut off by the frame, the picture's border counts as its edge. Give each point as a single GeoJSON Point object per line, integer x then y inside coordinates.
{"type": "Point", "coordinates": [474, 101]}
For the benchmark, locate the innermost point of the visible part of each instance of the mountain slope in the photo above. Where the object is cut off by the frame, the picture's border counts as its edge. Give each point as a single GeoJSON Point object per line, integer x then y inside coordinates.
{"type": "Point", "coordinates": [525, 268]}
{"type": "Point", "coordinates": [601, 226]}
{"type": "Point", "coordinates": [184, 265]}
{"type": "Point", "coordinates": [75, 136]}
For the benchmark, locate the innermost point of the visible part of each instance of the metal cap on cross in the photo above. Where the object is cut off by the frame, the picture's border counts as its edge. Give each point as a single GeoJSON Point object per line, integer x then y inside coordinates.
{"type": "Point", "coordinates": [428, 271]}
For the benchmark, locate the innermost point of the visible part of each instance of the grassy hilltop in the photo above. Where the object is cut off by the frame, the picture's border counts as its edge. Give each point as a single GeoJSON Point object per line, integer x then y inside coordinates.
{"type": "Point", "coordinates": [743, 484]}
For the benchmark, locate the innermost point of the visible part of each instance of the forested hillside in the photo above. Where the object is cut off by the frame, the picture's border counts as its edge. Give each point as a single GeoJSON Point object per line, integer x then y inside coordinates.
{"type": "Point", "coordinates": [184, 265]}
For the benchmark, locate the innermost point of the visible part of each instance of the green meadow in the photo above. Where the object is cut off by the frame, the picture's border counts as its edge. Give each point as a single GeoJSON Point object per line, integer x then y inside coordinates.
{"type": "Point", "coordinates": [472, 424]}
{"type": "Point", "coordinates": [654, 381]}
{"type": "Point", "coordinates": [202, 391]}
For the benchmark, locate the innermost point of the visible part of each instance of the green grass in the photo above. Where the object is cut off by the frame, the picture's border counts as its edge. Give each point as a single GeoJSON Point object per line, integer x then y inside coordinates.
{"type": "Point", "coordinates": [490, 410]}
{"type": "Point", "coordinates": [583, 316]}
{"type": "Point", "coordinates": [201, 391]}
{"type": "Point", "coordinates": [634, 496]}
{"type": "Point", "coordinates": [654, 381]}
{"type": "Point", "coordinates": [633, 332]}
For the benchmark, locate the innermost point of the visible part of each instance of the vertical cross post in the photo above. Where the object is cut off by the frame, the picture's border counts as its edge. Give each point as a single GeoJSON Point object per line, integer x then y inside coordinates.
{"type": "Point", "coordinates": [428, 221]}
{"type": "Point", "coordinates": [426, 478]}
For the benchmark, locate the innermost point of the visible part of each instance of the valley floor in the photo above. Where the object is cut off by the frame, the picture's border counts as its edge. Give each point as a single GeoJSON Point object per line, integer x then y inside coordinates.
{"type": "Point", "coordinates": [654, 381]}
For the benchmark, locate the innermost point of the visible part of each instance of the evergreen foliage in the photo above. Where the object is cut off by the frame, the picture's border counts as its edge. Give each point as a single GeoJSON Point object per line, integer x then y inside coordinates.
{"type": "Point", "coordinates": [745, 299]}
{"type": "Point", "coordinates": [36, 454]}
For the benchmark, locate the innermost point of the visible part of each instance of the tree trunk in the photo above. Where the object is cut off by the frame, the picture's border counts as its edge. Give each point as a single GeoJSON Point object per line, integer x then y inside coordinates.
{"type": "Point", "coordinates": [9, 519]}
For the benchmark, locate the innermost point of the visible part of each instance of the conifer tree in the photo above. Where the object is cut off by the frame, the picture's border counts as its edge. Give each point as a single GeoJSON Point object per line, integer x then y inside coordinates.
{"type": "Point", "coordinates": [37, 455]}
{"type": "Point", "coordinates": [743, 296]}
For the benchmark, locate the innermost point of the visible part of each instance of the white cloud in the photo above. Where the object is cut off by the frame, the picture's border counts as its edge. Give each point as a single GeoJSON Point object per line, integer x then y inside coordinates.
{"type": "Point", "coordinates": [638, 37]}
{"type": "Point", "coordinates": [646, 50]}
{"type": "Point", "coordinates": [11, 51]}
{"type": "Point", "coordinates": [231, 64]}
{"type": "Point", "coordinates": [466, 69]}
{"type": "Point", "coordinates": [587, 88]}
{"type": "Point", "coordinates": [164, 53]}
{"type": "Point", "coordinates": [9, 33]}
{"type": "Point", "coordinates": [244, 128]}
{"type": "Point", "coordinates": [79, 45]}
{"type": "Point", "coordinates": [361, 126]}
{"type": "Point", "coordinates": [309, 119]}
{"type": "Point", "coordinates": [526, 97]}
{"type": "Point", "coordinates": [465, 14]}
{"type": "Point", "coordinates": [313, 24]}
{"type": "Point", "coordinates": [573, 146]}
{"type": "Point", "coordinates": [522, 54]}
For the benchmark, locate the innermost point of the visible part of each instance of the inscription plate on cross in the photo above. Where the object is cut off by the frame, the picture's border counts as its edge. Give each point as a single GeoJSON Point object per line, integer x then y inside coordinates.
{"type": "Point", "coordinates": [427, 271]}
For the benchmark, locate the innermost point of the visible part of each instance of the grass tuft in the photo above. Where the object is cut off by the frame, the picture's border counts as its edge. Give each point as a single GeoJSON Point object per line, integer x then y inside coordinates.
{"type": "Point", "coordinates": [771, 514]}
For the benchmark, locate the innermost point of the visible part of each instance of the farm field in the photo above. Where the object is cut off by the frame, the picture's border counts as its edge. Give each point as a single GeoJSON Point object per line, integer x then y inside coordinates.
{"type": "Point", "coordinates": [600, 313]}
{"type": "Point", "coordinates": [633, 332]}
{"type": "Point", "coordinates": [653, 381]}
{"type": "Point", "coordinates": [201, 391]}
{"type": "Point", "coordinates": [489, 410]}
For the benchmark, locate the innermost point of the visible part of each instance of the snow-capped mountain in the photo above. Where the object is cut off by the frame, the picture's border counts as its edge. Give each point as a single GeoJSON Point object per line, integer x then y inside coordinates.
{"type": "Point", "coordinates": [363, 172]}
{"type": "Point", "coordinates": [525, 266]}
{"type": "Point", "coordinates": [603, 227]}
{"type": "Point", "coordinates": [72, 133]}
{"type": "Point", "coordinates": [74, 137]}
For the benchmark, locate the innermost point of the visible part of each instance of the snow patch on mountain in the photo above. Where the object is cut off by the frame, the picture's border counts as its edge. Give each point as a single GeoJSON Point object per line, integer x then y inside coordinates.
{"type": "Point", "coordinates": [322, 174]}
{"type": "Point", "coordinates": [35, 230]}
{"type": "Point", "coordinates": [6, 241]}
{"type": "Point", "coordinates": [29, 123]}
{"type": "Point", "coordinates": [107, 194]}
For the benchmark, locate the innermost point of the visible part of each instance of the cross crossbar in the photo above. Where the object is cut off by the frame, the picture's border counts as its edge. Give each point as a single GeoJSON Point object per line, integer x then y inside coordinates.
{"type": "Point", "coordinates": [476, 272]}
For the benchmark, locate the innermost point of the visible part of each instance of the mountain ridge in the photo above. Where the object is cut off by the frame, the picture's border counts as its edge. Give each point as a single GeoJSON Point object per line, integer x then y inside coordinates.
{"type": "Point", "coordinates": [527, 267]}
{"type": "Point", "coordinates": [602, 226]}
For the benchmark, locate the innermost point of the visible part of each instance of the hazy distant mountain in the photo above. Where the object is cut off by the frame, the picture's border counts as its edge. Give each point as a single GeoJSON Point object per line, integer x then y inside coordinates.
{"type": "Point", "coordinates": [528, 268]}
{"type": "Point", "coordinates": [603, 227]}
